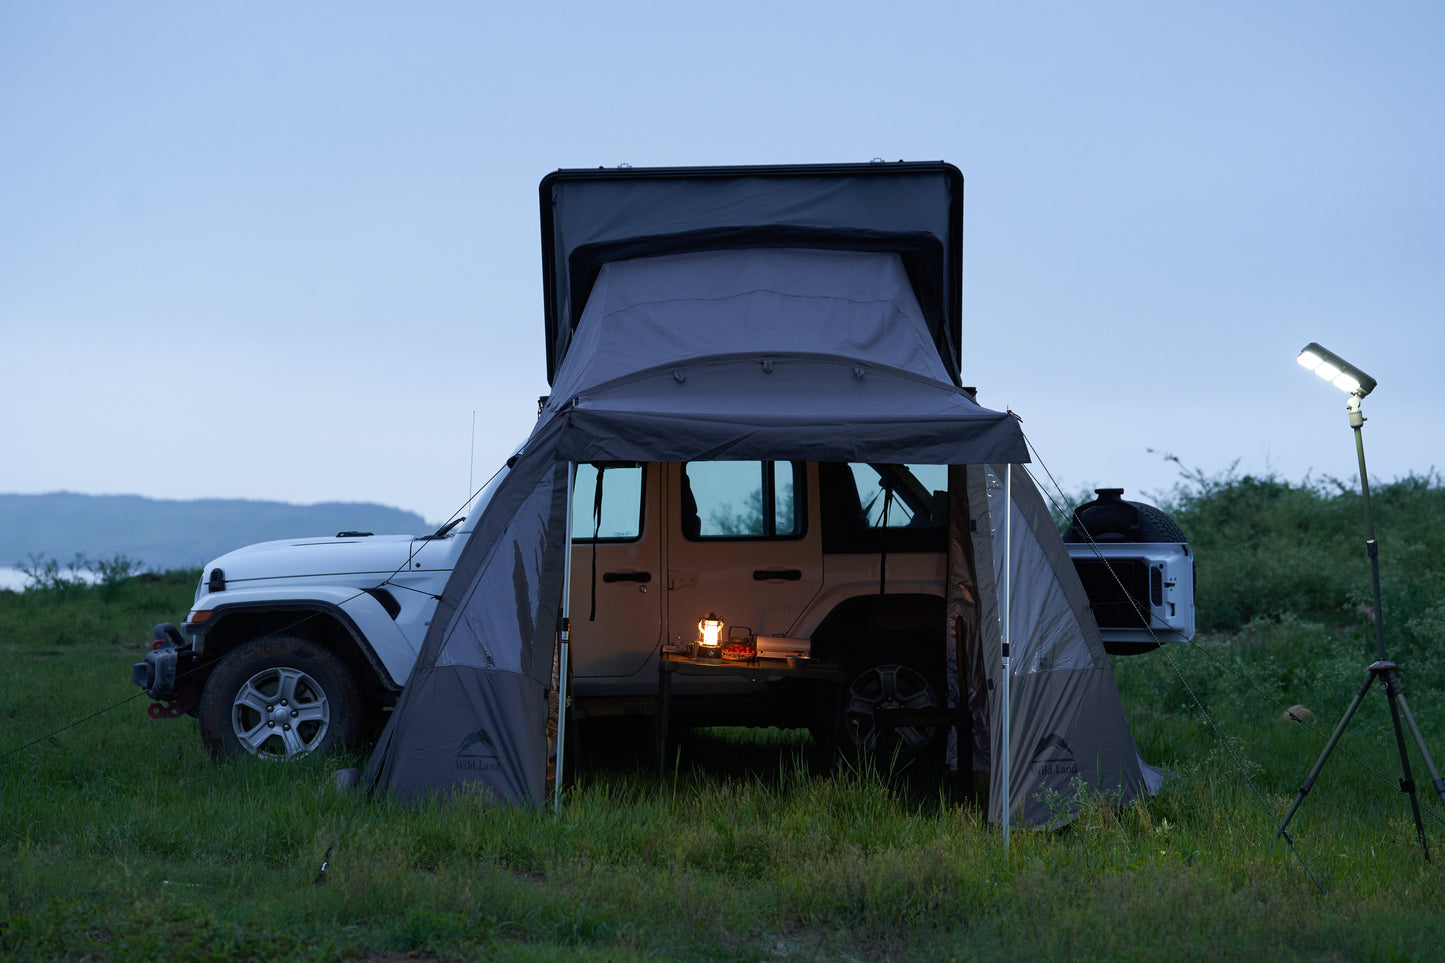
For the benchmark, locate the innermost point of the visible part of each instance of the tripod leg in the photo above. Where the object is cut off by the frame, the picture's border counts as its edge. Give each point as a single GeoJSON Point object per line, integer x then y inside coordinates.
{"type": "Point", "coordinates": [1407, 783]}
{"type": "Point", "coordinates": [1309, 782]}
{"type": "Point", "coordinates": [1436, 781]}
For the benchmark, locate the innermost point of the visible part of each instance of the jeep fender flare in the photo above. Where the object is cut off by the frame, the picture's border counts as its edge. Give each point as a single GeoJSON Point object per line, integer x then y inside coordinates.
{"type": "Point", "coordinates": [377, 642]}
{"type": "Point", "coordinates": [850, 624]}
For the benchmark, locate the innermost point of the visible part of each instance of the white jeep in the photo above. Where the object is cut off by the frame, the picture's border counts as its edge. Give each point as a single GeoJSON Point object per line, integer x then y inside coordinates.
{"type": "Point", "coordinates": [818, 269]}
{"type": "Point", "coordinates": [300, 646]}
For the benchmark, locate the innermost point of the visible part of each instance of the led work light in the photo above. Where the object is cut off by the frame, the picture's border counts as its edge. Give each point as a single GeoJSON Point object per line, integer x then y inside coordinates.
{"type": "Point", "coordinates": [1336, 370]}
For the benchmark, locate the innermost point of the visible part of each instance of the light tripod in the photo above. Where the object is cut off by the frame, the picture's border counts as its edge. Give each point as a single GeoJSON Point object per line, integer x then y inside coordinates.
{"type": "Point", "coordinates": [1348, 378]}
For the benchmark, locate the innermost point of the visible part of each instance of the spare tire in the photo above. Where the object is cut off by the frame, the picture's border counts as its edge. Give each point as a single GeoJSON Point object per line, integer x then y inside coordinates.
{"type": "Point", "coordinates": [1108, 518]}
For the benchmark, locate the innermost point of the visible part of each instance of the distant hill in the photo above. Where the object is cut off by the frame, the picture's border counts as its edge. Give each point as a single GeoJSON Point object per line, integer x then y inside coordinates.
{"type": "Point", "coordinates": [174, 534]}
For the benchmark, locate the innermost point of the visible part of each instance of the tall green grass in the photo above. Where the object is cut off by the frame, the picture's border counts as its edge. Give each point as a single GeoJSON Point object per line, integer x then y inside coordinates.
{"type": "Point", "coordinates": [120, 839]}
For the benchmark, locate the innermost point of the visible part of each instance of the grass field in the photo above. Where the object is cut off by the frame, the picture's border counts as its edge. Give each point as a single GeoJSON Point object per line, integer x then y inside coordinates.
{"type": "Point", "coordinates": [121, 840]}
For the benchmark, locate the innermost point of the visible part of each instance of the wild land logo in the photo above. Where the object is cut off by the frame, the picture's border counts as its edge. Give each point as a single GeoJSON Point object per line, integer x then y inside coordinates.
{"type": "Point", "coordinates": [477, 753]}
{"type": "Point", "coordinates": [1053, 757]}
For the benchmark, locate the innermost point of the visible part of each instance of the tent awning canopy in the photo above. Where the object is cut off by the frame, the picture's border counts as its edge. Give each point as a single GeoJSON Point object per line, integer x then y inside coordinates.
{"type": "Point", "coordinates": [804, 408]}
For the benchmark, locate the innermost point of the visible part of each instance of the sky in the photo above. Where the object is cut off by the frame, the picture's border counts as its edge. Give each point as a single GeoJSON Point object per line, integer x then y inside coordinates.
{"type": "Point", "coordinates": [290, 251]}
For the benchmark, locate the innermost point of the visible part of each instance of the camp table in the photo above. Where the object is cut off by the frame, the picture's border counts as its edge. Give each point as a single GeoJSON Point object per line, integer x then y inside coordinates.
{"type": "Point", "coordinates": [756, 670]}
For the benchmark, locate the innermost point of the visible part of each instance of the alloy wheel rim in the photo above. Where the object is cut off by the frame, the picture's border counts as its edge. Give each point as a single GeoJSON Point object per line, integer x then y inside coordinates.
{"type": "Point", "coordinates": [280, 713]}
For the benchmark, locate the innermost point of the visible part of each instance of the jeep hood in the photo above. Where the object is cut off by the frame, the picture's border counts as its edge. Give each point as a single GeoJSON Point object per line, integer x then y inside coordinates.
{"type": "Point", "coordinates": [325, 556]}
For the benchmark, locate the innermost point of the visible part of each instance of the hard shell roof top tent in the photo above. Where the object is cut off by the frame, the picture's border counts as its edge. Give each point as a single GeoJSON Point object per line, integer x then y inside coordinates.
{"type": "Point", "coordinates": [804, 313]}
{"type": "Point", "coordinates": [913, 211]}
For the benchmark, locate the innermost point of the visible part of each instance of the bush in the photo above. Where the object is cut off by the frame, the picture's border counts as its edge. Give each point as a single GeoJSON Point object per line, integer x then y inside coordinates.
{"type": "Point", "coordinates": [91, 602]}
{"type": "Point", "coordinates": [47, 575]}
{"type": "Point", "coordinates": [1268, 548]}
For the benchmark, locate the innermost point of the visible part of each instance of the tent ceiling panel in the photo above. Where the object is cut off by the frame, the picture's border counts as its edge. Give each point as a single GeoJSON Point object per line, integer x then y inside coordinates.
{"type": "Point", "coordinates": [667, 310]}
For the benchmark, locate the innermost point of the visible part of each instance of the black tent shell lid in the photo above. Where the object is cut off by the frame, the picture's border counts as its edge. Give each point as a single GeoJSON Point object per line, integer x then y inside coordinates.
{"type": "Point", "coordinates": [591, 216]}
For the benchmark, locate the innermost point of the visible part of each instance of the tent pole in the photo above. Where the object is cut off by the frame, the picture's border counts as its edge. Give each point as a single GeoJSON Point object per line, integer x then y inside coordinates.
{"type": "Point", "coordinates": [566, 632]}
{"type": "Point", "coordinates": [1007, 604]}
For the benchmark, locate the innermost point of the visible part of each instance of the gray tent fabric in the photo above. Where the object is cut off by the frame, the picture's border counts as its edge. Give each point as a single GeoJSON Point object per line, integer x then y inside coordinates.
{"type": "Point", "coordinates": [473, 714]}
{"type": "Point", "coordinates": [839, 365]}
{"type": "Point", "coordinates": [660, 310]}
{"type": "Point", "coordinates": [1067, 728]}
{"type": "Point", "coordinates": [802, 350]}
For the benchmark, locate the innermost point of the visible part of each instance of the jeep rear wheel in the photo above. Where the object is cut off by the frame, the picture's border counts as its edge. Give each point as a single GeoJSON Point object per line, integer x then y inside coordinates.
{"type": "Point", "coordinates": [881, 700]}
{"type": "Point", "coordinates": [280, 698]}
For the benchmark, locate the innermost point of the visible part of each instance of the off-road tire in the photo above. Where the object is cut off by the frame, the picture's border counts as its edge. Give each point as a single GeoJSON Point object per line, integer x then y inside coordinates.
{"type": "Point", "coordinates": [897, 674]}
{"type": "Point", "coordinates": [280, 698]}
{"type": "Point", "coordinates": [1155, 525]}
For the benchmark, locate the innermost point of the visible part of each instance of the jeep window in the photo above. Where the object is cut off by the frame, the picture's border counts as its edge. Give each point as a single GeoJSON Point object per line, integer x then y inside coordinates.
{"type": "Point", "coordinates": [621, 518]}
{"type": "Point", "coordinates": [860, 515]}
{"type": "Point", "coordinates": [742, 499]}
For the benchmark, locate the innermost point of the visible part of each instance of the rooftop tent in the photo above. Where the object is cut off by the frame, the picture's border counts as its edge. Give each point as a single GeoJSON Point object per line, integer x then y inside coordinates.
{"type": "Point", "coordinates": [795, 351]}
{"type": "Point", "coordinates": [913, 210]}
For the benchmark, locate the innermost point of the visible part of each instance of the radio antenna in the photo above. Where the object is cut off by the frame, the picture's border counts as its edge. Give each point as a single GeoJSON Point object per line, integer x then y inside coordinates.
{"type": "Point", "coordinates": [472, 456]}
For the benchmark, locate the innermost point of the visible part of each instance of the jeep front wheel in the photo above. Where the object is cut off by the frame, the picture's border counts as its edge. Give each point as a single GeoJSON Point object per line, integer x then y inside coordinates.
{"type": "Point", "coordinates": [279, 698]}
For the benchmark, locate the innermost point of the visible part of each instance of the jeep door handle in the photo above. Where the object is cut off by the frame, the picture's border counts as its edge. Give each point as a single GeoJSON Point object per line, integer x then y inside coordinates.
{"type": "Point", "coordinates": [784, 574]}
{"type": "Point", "coordinates": [643, 577]}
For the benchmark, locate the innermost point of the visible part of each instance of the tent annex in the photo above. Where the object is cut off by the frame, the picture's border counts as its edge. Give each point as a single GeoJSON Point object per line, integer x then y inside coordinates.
{"type": "Point", "coordinates": [815, 352]}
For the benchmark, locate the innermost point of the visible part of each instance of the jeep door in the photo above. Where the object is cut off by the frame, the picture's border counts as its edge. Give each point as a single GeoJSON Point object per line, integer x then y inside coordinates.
{"type": "Point", "coordinates": [617, 584]}
{"type": "Point", "coordinates": [745, 547]}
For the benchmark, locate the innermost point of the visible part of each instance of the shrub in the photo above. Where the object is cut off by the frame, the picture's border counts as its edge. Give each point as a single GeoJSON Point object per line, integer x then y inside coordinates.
{"type": "Point", "coordinates": [1268, 548]}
